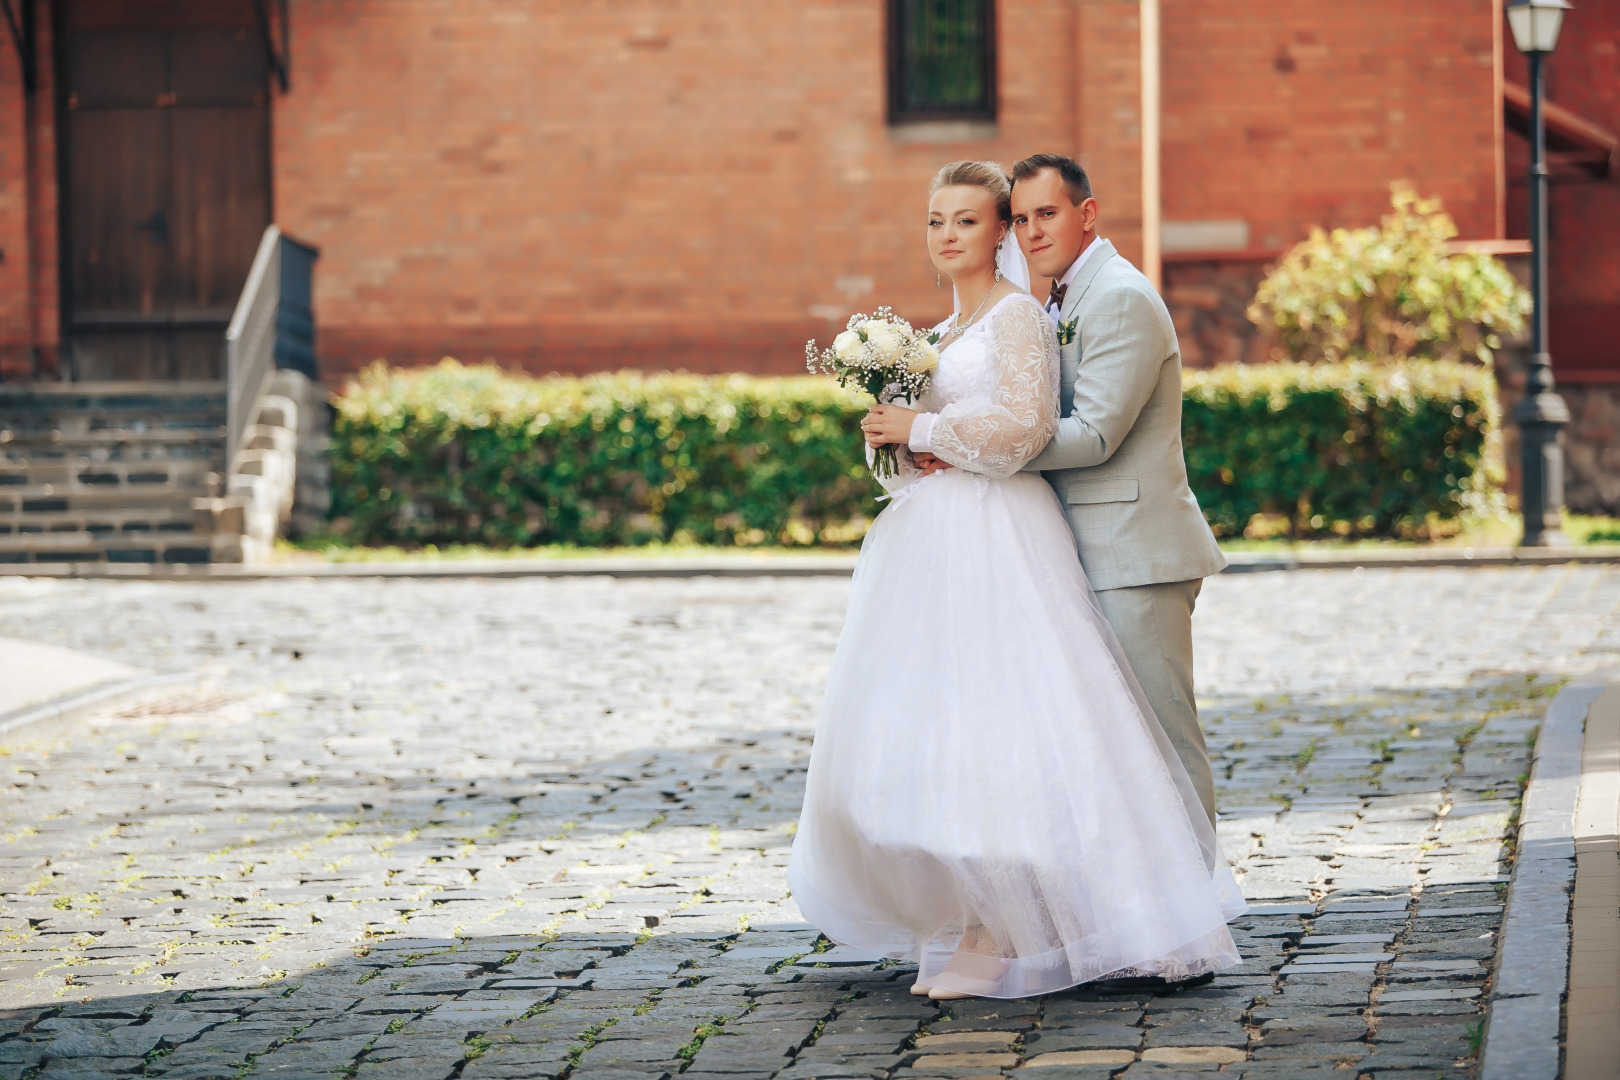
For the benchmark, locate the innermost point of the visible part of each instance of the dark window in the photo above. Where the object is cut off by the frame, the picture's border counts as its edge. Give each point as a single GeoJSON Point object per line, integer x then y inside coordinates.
{"type": "Point", "coordinates": [942, 60]}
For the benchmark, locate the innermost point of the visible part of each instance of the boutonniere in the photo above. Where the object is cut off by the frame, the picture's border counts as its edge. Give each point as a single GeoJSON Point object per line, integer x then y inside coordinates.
{"type": "Point", "coordinates": [1066, 331]}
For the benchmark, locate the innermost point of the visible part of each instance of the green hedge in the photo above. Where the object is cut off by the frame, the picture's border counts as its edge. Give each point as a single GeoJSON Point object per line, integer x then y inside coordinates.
{"type": "Point", "coordinates": [1349, 449]}
{"type": "Point", "coordinates": [453, 454]}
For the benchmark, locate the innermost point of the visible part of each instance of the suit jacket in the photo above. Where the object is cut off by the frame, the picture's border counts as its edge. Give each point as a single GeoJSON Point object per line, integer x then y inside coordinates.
{"type": "Point", "coordinates": [1116, 460]}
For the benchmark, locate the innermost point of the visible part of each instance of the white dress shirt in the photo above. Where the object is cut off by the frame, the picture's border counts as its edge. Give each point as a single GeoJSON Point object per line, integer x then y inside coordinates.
{"type": "Point", "coordinates": [922, 426]}
{"type": "Point", "coordinates": [1071, 273]}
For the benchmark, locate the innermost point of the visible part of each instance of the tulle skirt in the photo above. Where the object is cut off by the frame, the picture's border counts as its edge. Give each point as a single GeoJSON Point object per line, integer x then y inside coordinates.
{"type": "Point", "coordinates": [986, 763]}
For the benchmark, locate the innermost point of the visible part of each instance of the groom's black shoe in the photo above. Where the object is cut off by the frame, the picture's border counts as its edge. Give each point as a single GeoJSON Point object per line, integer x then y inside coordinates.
{"type": "Point", "coordinates": [1153, 984]}
{"type": "Point", "coordinates": [1186, 984]}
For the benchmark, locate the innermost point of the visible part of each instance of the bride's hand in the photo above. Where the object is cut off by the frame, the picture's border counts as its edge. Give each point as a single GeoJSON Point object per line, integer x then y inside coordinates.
{"type": "Point", "coordinates": [888, 424]}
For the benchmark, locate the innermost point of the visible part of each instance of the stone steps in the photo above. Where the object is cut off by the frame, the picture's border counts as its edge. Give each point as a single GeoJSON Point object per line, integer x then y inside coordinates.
{"type": "Point", "coordinates": [179, 546]}
{"type": "Point", "coordinates": [58, 478]}
{"type": "Point", "coordinates": [93, 472]}
{"type": "Point", "coordinates": [22, 442]}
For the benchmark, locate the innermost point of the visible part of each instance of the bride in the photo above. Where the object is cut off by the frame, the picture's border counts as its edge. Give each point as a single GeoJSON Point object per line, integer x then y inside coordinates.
{"type": "Point", "coordinates": [989, 794]}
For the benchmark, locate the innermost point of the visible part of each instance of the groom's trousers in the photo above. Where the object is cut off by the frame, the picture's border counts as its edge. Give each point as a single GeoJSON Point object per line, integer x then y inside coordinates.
{"type": "Point", "coordinates": [1154, 626]}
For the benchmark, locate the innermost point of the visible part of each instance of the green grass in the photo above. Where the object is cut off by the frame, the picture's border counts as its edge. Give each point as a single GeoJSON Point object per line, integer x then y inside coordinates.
{"type": "Point", "coordinates": [1592, 530]}
{"type": "Point", "coordinates": [1485, 532]}
{"type": "Point", "coordinates": [334, 549]}
{"type": "Point", "coordinates": [1502, 532]}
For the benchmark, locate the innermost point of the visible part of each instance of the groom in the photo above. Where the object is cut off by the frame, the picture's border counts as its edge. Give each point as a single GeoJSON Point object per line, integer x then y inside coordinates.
{"type": "Point", "coordinates": [1116, 460]}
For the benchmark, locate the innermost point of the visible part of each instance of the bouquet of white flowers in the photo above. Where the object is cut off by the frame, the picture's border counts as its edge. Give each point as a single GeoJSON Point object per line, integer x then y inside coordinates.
{"type": "Point", "coordinates": [882, 354]}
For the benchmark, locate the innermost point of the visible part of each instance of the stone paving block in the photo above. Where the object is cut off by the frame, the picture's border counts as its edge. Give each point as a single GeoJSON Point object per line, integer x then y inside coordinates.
{"type": "Point", "coordinates": [1339, 1051]}
{"type": "Point", "coordinates": [409, 1068]}
{"type": "Point", "coordinates": [829, 1071]}
{"type": "Point", "coordinates": [986, 1061]}
{"type": "Point", "coordinates": [966, 1042]}
{"type": "Point", "coordinates": [215, 1070]}
{"type": "Point", "coordinates": [1231, 1007]}
{"type": "Point", "coordinates": [1313, 1029]}
{"type": "Point", "coordinates": [855, 1057]}
{"type": "Point", "coordinates": [847, 1041]}
{"type": "Point", "coordinates": [1192, 1055]}
{"type": "Point", "coordinates": [1088, 1058]}
{"type": "Point", "coordinates": [1199, 1032]}
{"type": "Point", "coordinates": [485, 1069]}
{"type": "Point", "coordinates": [1062, 1011]}
{"type": "Point", "coordinates": [1091, 1037]}
{"type": "Point", "coordinates": [93, 1069]}
{"type": "Point", "coordinates": [746, 1062]}
{"type": "Point", "coordinates": [634, 1052]}
{"type": "Point", "coordinates": [84, 1039]}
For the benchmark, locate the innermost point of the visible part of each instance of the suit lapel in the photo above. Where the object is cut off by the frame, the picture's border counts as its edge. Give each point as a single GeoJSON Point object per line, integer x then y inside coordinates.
{"type": "Point", "coordinates": [1069, 355]}
{"type": "Point", "coordinates": [1088, 274]}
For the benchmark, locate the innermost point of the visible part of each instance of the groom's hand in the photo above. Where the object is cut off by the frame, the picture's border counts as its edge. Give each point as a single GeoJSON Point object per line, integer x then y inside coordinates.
{"type": "Point", "coordinates": [929, 464]}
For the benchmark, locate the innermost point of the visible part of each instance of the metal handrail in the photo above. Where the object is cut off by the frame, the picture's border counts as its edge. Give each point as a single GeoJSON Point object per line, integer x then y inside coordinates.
{"type": "Point", "coordinates": [250, 342]}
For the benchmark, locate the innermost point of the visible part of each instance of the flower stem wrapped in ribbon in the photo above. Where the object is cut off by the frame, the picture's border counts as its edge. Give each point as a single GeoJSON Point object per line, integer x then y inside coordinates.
{"type": "Point", "coordinates": [882, 354]}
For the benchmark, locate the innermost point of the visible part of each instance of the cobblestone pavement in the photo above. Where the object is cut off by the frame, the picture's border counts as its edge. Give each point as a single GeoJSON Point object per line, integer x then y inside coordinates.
{"type": "Point", "coordinates": [538, 828]}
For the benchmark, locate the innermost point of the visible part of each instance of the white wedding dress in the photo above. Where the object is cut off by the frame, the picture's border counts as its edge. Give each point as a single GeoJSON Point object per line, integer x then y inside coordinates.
{"type": "Point", "coordinates": [984, 759]}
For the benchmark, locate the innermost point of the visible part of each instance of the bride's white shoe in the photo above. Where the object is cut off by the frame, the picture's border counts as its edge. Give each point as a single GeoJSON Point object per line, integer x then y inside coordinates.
{"type": "Point", "coordinates": [969, 973]}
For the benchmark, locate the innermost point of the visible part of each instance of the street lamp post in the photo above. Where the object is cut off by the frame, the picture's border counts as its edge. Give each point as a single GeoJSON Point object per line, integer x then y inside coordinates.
{"type": "Point", "coordinates": [1542, 414]}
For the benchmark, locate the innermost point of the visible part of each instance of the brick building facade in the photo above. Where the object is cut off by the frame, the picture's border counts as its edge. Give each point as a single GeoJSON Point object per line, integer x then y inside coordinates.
{"type": "Point", "coordinates": [660, 184]}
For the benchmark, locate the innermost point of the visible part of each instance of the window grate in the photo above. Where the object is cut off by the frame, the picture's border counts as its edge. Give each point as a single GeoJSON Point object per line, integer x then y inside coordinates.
{"type": "Point", "coordinates": [942, 60]}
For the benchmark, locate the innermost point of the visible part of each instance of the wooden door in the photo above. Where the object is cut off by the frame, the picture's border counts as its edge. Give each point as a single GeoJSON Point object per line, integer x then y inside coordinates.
{"type": "Point", "coordinates": [168, 182]}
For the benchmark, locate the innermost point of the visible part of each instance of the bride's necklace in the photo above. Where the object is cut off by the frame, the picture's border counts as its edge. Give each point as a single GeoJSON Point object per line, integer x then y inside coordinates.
{"type": "Point", "coordinates": [956, 319]}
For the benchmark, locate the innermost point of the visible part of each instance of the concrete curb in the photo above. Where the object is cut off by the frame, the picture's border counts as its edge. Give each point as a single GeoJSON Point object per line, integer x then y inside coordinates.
{"type": "Point", "coordinates": [50, 719]}
{"type": "Point", "coordinates": [1522, 1033]}
{"type": "Point", "coordinates": [1591, 1038]}
{"type": "Point", "coordinates": [618, 567]}
{"type": "Point", "coordinates": [1239, 562]}
{"type": "Point", "coordinates": [753, 566]}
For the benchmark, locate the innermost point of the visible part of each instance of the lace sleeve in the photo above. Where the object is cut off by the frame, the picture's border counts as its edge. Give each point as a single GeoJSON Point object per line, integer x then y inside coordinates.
{"type": "Point", "coordinates": [996, 438]}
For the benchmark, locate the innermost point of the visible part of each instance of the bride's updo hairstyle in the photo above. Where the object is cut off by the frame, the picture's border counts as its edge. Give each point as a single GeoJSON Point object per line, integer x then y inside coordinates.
{"type": "Point", "coordinates": [986, 174]}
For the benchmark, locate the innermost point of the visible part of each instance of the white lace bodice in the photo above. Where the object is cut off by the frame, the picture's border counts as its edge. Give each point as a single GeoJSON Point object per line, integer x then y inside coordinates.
{"type": "Point", "coordinates": [995, 395]}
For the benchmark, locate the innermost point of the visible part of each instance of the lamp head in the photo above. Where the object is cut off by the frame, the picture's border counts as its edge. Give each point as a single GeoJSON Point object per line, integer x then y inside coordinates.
{"type": "Point", "coordinates": [1536, 23]}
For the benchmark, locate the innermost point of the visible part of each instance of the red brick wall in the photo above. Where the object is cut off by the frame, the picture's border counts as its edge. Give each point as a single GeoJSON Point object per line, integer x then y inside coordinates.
{"type": "Point", "coordinates": [1110, 117]}
{"type": "Point", "coordinates": [572, 185]}
{"type": "Point", "coordinates": [1293, 113]}
{"type": "Point", "coordinates": [673, 183]}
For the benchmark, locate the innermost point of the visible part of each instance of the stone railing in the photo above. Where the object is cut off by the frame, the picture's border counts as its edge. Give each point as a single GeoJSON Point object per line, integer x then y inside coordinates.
{"type": "Point", "coordinates": [274, 410]}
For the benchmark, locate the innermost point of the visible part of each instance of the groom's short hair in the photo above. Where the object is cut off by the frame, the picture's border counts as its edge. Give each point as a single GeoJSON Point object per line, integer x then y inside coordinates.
{"type": "Point", "coordinates": [1074, 177]}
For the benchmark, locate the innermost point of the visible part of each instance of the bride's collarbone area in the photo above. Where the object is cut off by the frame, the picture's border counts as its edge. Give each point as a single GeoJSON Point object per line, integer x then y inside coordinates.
{"type": "Point", "coordinates": [953, 335]}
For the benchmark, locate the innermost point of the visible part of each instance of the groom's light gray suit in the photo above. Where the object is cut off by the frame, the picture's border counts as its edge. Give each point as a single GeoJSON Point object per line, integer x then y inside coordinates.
{"type": "Point", "coordinates": [1116, 463]}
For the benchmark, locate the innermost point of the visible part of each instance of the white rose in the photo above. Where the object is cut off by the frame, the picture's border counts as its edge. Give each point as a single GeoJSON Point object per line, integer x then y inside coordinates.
{"type": "Point", "coordinates": [882, 339]}
{"type": "Point", "coordinates": [847, 346]}
{"type": "Point", "coordinates": [926, 358]}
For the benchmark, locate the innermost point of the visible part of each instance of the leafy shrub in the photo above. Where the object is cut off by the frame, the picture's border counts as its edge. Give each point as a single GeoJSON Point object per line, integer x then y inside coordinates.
{"type": "Point", "coordinates": [1350, 449]}
{"type": "Point", "coordinates": [453, 454]}
{"type": "Point", "coordinates": [1389, 292]}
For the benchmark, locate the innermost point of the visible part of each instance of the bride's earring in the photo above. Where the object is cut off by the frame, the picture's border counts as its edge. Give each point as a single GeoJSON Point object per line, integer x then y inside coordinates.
{"type": "Point", "coordinates": [939, 280]}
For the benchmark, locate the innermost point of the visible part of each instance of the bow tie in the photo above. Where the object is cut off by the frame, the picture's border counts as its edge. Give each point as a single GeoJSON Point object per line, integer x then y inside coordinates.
{"type": "Point", "coordinates": [1058, 293]}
